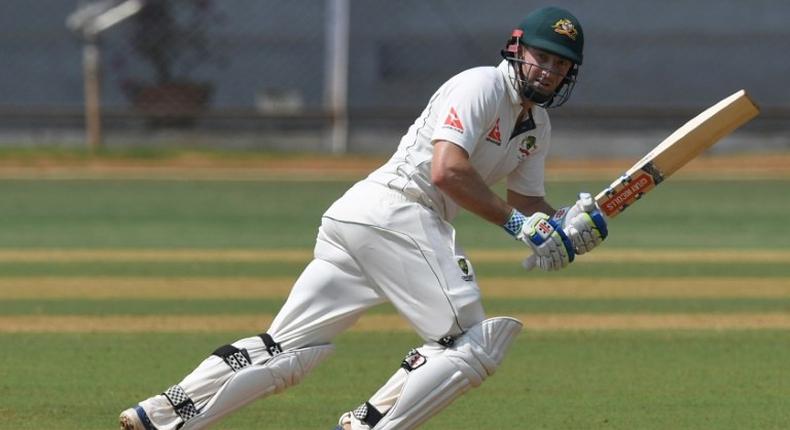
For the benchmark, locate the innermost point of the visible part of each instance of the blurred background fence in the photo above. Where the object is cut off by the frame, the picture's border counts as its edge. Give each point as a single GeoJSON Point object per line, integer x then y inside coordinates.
{"type": "Point", "coordinates": [278, 75]}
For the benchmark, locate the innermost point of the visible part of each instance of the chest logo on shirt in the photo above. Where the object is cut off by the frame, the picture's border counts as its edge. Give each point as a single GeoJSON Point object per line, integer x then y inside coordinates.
{"type": "Point", "coordinates": [526, 147]}
{"type": "Point", "coordinates": [466, 270]}
{"type": "Point", "coordinates": [494, 136]}
{"type": "Point", "coordinates": [453, 121]}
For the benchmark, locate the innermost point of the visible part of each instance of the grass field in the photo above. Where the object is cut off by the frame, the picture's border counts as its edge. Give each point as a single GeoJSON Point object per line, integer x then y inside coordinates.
{"type": "Point", "coordinates": [114, 284]}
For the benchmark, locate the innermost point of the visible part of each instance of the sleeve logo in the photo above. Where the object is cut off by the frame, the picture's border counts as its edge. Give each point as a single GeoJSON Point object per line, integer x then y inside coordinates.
{"type": "Point", "coordinates": [494, 136]}
{"type": "Point", "coordinates": [453, 121]}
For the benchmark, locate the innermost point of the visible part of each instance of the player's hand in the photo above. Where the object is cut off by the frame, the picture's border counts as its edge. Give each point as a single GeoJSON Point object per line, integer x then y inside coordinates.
{"type": "Point", "coordinates": [552, 247]}
{"type": "Point", "coordinates": [583, 223]}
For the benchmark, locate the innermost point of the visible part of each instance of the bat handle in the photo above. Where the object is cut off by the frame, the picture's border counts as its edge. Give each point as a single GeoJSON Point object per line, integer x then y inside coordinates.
{"type": "Point", "coordinates": [587, 203]}
{"type": "Point", "coordinates": [530, 262]}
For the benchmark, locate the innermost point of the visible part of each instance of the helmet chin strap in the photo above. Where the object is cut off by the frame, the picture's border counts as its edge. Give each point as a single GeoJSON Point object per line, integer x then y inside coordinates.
{"type": "Point", "coordinates": [535, 96]}
{"type": "Point", "coordinates": [529, 93]}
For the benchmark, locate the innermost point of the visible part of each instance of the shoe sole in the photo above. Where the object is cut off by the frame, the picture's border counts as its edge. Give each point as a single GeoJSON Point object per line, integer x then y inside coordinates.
{"type": "Point", "coordinates": [131, 419]}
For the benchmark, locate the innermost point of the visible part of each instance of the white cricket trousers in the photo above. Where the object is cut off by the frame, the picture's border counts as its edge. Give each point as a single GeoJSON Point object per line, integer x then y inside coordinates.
{"type": "Point", "coordinates": [392, 249]}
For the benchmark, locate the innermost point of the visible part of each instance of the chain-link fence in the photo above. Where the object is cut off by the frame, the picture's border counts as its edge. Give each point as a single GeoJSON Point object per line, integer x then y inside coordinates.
{"type": "Point", "coordinates": [255, 73]}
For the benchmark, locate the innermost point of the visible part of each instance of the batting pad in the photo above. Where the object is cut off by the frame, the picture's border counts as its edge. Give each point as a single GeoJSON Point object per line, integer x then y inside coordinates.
{"type": "Point", "coordinates": [275, 375]}
{"type": "Point", "coordinates": [444, 377]}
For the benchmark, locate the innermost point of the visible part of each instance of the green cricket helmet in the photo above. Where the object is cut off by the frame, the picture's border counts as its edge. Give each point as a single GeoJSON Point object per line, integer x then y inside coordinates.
{"type": "Point", "coordinates": [554, 30]}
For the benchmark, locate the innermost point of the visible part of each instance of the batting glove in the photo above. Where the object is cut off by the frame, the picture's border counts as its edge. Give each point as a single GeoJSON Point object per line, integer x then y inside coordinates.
{"type": "Point", "coordinates": [583, 223]}
{"type": "Point", "coordinates": [553, 249]}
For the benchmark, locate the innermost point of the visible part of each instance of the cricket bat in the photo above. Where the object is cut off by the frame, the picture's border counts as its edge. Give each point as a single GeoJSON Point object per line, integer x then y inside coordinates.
{"type": "Point", "coordinates": [682, 146]}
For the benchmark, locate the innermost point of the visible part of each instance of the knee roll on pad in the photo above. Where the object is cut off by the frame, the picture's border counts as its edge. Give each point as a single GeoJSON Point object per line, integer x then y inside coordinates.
{"type": "Point", "coordinates": [442, 378]}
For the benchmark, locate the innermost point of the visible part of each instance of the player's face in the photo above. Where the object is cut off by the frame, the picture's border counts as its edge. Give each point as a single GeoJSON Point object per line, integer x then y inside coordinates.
{"type": "Point", "coordinates": [544, 71]}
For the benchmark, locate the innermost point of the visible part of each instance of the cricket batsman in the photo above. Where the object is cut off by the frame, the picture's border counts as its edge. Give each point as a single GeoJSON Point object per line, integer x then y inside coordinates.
{"type": "Point", "coordinates": [390, 239]}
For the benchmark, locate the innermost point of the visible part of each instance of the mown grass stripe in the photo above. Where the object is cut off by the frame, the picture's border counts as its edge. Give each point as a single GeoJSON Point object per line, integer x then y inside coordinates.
{"type": "Point", "coordinates": [629, 255]}
{"type": "Point", "coordinates": [143, 288]}
{"type": "Point", "coordinates": [702, 287]}
{"type": "Point", "coordinates": [198, 167]}
{"type": "Point", "coordinates": [235, 269]}
{"type": "Point", "coordinates": [651, 256]}
{"type": "Point", "coordinates": [123, 306]}
{"type": "Point", "coordinates": [387, 323]}
{"type": "Point", "coordinates": [492, 287]}
{"type": "Point", "coordinates": [152, 255]}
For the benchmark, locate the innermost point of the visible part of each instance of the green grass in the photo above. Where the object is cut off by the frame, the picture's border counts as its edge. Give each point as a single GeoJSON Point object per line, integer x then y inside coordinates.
{"type": "Point", "coordinates": [255, 214]}
{"type": "Point", "coordinates": [162, 214]}
{"type": "Point", "coordinates": [23, 154]}
{"type": "Point", "coordinates": [483, 270]}
{"type": "Point", "coordinates": [493, 306]}
{"type": "Point", "coordinates": [728, 379]}
{"type": "Point", "coordinates": [589, 380]}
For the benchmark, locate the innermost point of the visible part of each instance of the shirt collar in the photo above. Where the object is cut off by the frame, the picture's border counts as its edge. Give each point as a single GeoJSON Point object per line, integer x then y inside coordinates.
{"type": "Point", "coordinates": [508, 72]}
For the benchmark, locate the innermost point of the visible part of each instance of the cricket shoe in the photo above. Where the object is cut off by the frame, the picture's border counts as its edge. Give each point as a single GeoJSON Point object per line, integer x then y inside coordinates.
{"type": "Point", "coordinates": [344, 423]}
{"type": "Point", "coordinates": [347, 421]}
{"type": "Point", "coordinates": [135, 419]}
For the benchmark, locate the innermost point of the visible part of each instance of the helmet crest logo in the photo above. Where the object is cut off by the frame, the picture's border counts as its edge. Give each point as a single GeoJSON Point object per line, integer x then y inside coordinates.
{"type": "Point", "coordinates": [566, 28]}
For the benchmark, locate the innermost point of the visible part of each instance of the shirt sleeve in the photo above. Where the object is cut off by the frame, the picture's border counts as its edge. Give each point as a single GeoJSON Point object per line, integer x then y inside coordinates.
{"type": "Point", "coordinates": [528, 178]}
{"type": "Point", "coordinates": [467, 108]}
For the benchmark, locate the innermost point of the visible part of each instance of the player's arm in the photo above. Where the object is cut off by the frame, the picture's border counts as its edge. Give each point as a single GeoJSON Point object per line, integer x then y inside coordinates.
{"type": "Point", "coordinates": [529, 204]}
{"type": "Point", "coordinates": [455, 176]}
{"type": "Point", "coordinates": [452, 173]}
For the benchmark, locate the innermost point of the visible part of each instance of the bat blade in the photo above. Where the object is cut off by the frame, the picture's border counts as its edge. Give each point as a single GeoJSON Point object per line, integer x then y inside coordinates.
{"type": "Point", "coordinates": [682, 146]}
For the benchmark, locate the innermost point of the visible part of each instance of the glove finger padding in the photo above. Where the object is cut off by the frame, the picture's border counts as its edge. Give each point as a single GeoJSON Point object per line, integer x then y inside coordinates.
{"type": "Point", "coordinates": [584, 233]}
{"type": "Point", "coordinates": [563, 252]}
{"type": "Point", "coordinates": [555, 259]}
{"type": "Point", "coordinates": [583, 223]}
{"type": "Point", "coordinates": [552, 246]}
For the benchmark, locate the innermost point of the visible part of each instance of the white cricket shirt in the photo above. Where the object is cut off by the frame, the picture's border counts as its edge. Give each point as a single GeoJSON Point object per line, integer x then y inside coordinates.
{"type": "Point", "coordinates": [476, 110]}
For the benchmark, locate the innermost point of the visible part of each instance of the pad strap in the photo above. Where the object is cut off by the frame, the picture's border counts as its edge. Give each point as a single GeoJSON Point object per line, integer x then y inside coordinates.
{"type": "Point", "coordinates": [234, 357]}
{"type": "Point", "coordinates": [273, 347]}
{"type": "Point", "coordinates": [368, 414]}
{"type": "Point", "coordinates": [181, 402]}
